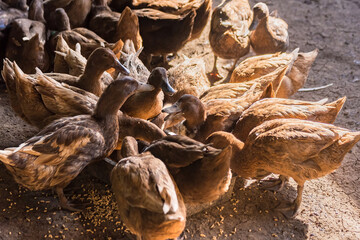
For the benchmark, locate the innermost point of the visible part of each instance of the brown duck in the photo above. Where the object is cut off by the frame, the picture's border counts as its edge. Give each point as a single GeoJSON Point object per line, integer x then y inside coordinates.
{"type": "Point", "coordinates": [271, 32]}
{"type": "Point", "coordinates": [202, 119]}
{"type": "Point", "coordinates": [276, 108]}
{"type": "Point", "coordinates": [58, 153]}
{"type": "Point", "coordinates": [148, 105]}
{"type": "Point", "coordinates": [300, 149]}
{"type": "Point", "coordinates": [201, 172]}
{"type": "Point", "coordinates": [149, 201]}
{"type": "Point", "coordinates": [229, 32]}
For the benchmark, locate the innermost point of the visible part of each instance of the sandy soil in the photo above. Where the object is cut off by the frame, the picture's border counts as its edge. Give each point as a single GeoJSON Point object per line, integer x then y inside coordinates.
{"type": "Point", "coordinates": [330, 207]}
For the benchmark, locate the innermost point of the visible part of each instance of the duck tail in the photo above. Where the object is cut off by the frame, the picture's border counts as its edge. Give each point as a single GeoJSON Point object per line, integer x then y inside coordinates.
{"type": "Point", "coordinates": [346, 142]}
{"type": "Point", "coordinates": [8, 75]}
{"type": "Point", "coordinates": [24, 84]}
{"type": "Point", "coordinates": [295, 55]}
{"type": "Point", "coordinates": [62, 49]}
{"type": "Point", "coordinates": [301, 68]}
{"type": "Point", "coordinates": [337, 105]}
{"type": "Point", "coordinates": [4, 157]}
{"type": "Point", "coordinates": [277, 77]}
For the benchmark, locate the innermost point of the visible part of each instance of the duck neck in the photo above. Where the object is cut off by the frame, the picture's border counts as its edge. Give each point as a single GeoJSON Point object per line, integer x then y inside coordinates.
{"type": "Point", "coordinates": [90, 80]}
{"type": "Point", "coordinates": [194, 122]}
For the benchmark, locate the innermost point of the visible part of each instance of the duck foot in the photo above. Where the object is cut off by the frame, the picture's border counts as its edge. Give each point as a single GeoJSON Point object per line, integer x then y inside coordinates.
{"type": "Point", "coordinates": [288, 210]}
{"type": "Point", "coordinates": [181, 237]}
{"type": "Point", "coordinates": [64, 203]}
{"type": "Point", "coordinates": [275, 184]}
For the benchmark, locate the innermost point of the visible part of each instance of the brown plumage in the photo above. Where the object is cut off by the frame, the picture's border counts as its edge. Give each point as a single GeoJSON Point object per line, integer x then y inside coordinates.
{"type": "Point", "coordinates": [276, 108]}
{"type": "Point", "coordinates": [201, 172]}
{"type": "Point", "coordinates": [257, 66]}
{"type": "Point", "coordinates": [87, 39]}
{"type": "Point", "coordinates": [300, 149]}
{"type": "Point", "coordinates": [102, 20]}
{"type": "Point", "coordinates": [8, 14]}
{"type": "Point", "coordinates": [67, 60]}
{"type": "Point", "coordinates": [16, 4]}
{"type": "Point", "coordinates": [297, 75]}
{"type": "Point", "coordinates": [149, 202]}
{"type": "Point", "coordinates": [202, 8]}
{"type": "Point", "coordinates": [148, 105]}
{"type": "Point", "coordinates": [93, 79]}
{"type": "Point", "coordinates": [77, 10]}
{"type": "Point", "coordinates": [58, 153]}
{"type": "Point", "coordinates": [229, 31]}
{"type": "Point", "coordinates": [36, 11]}
{"type": "Point", "coordinates": [299, 65]}
{"type": "Point", "coordinates": [271, 32]}
{"type": "Point", "coordinates": [163, 33]}
{"type": "Point", "coordinates": [188, 77]}
{"type": "Point", "coordinates": [202, 119]}
{"type": "Point", "coordinates": [26, 45]}
{"type": "Point", "coordinates": [128, 28]}
{"type": "Point", "coordinates": [236, 90]}
{"type": "Point", "coordinates": [47, 100]}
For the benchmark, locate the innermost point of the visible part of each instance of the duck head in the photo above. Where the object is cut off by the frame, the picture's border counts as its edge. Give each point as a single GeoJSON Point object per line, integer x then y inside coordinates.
{"type": "Point", "coordinates": [260, 11]}
{"type": "Point", "coordinates": [19, 4]}
{"type": "Point", "coordinates": [129, 147]}
{"type": "Point", "coordinates": [189, 107]}
{"type": "Point", "coordinates": [158, 78]}
{"type": "Point", "coordinates": [61, 19]}
{"type": "Point", "coordinates": [36, 11]}
{"type": "Point", "coordinates": [103, 58]}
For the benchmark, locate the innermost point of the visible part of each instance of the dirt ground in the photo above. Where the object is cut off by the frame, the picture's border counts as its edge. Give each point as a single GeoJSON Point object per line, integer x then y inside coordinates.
{"type": "Point", "coordinates": [331, 205]}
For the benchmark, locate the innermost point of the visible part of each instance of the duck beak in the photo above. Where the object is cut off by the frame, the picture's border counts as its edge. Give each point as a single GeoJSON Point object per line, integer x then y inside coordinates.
{"type": "Point", "coordinates": [143, 87]}
{"type": "Point", "coordinates": [121, 68]}
{"type": "Point", "coordinates": [167, 89]}
{"type": "Point", "coordinates": [254, 24]}
{"type": "Point", "coordinates": [170, 110]}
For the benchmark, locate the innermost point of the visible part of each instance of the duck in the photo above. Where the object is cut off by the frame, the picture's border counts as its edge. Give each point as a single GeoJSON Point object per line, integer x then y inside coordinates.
{"type": "Point", "coordinates": [128, 28]}
{"type": "Point", "coordinates": [77, 10]}
{"type": "Point", "coordinates": [196, 119]}
{"type": "Point", "coordinates": [93, 78]}
{"type": "Point", "coordinates": [8, 14]}
{"type": "Point", "coordinates": [202, 8]}
{"type": "Point", "coordinates": [298, 74]}
{"type": "Point", "coordinates": [260, 65]}
{"type": "Point", "coordinates": [269, 34]}
{"type": "Point", "coordinates": [87, 39]}
{"type": "Point", "coordinates": [296, 148]}
{"type": "Point", "coordinates": [276, 108]}
{"type": "Point", "coordinates": [147, 105]}
{"type": "Point", "coordinates": [188, 77]}
{"type": "Point", "coordinates": [67, 60]}
{"type": "Point", "coordinates": [163, 33]}
{"type": "Point", "coordinates": [47, 100]}
{"type": "Point", "coordinates": [201, 172]}
{"type": "Point", "coordinates": [26, 42]}
{"type": "Point", "coordinates": [113, 26]}
{"type": "Point", "coordinates": [236, 90]}
{"type": "Point", "coordinates": [58, 153]}
{"type": "Point", "coordinates": [102, 20]}
{"type": "Point", "coordinates": [229, 32]}
{"type": "Point", "coordinates": [36, 11]}
{"type": "Point", "coordinates": [149, 202]}
{"type": "Point", "coordinates": [16, 4]}
{"type": "Point", "coordinates": [299, 65]}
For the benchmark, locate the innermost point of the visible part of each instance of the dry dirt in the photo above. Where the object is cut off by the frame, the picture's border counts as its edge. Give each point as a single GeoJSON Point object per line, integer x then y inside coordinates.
{"type": "Point", "coordinates": [330, 207]}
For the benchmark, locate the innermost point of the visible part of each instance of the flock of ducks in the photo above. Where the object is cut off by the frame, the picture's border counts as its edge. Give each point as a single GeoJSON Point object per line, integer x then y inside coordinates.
{"type": "Point", "coordinates": [97, 95]}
